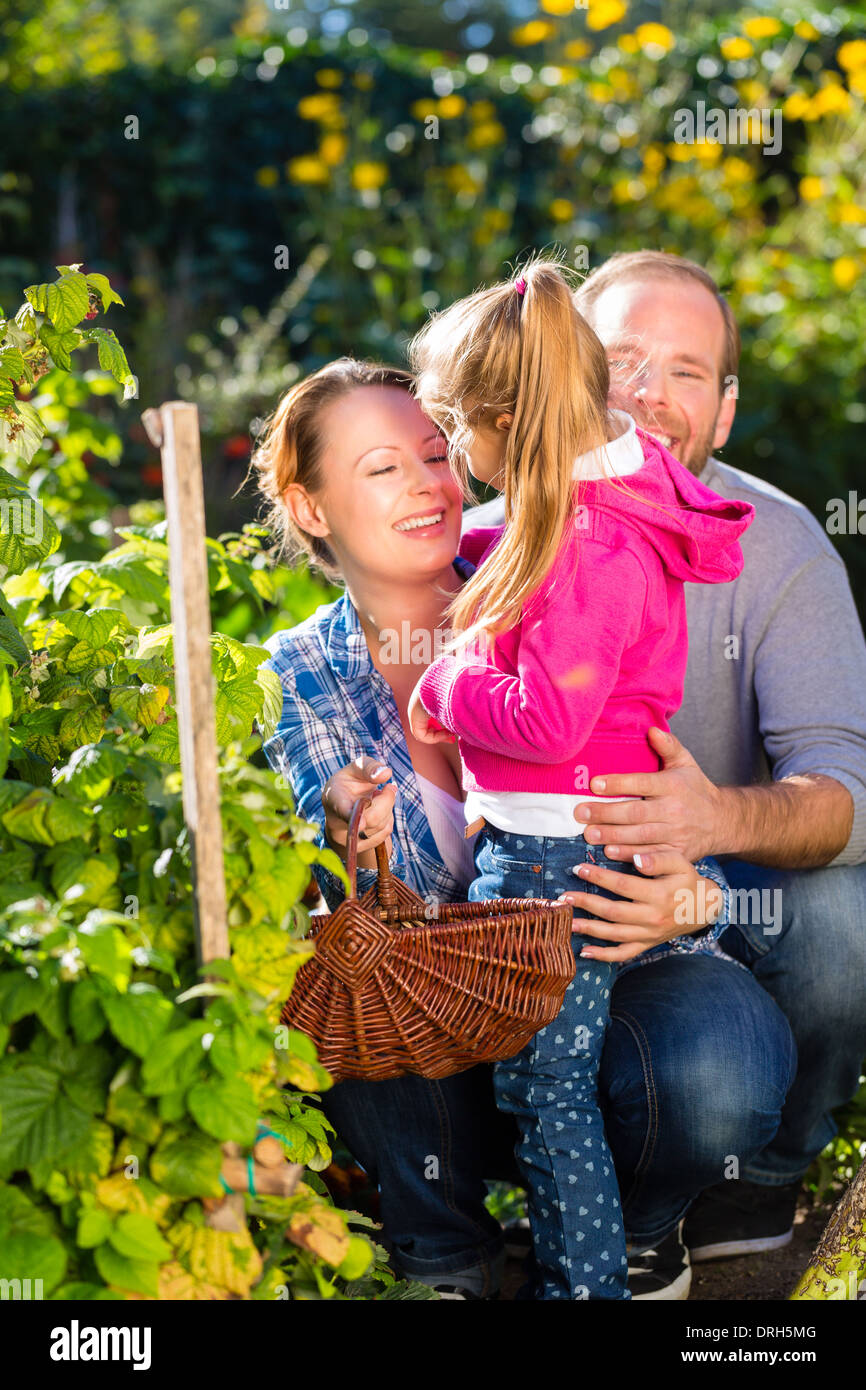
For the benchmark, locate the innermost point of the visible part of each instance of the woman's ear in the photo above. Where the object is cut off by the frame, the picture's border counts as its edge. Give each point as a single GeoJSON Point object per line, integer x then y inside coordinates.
{"type": "Point", "coordinates": [505, 421]}
{"type": "Point", "coordinates": [305, 513]}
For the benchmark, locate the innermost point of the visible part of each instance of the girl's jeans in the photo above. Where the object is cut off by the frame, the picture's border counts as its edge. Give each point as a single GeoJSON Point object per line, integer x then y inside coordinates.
{"type": "Point", "coordinates": [551, 1087]}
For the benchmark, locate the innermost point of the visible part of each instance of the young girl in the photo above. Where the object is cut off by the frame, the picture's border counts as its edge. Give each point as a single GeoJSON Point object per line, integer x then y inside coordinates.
{"type": "Point", "coordinates": [571, 644]}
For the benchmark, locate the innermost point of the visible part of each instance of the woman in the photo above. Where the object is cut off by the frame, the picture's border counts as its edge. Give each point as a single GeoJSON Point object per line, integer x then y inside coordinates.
{"type": "Point", "coordinates": [359, 480]}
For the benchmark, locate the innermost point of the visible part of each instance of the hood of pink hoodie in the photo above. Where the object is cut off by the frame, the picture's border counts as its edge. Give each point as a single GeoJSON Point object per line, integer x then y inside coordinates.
{"type": "Point", "coordinates": [695, 531]}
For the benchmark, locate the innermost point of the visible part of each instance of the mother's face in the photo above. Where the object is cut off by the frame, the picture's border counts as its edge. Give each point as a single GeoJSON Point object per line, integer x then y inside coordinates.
{"type": "Point", "coordinates": [389, 505]}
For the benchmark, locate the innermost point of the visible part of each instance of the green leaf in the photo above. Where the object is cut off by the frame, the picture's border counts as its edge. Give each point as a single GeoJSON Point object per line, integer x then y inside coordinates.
{"type": "Point", "coordinates": [94, 1227]}
{"type": "Point", "coordinates": [142, 704]}
{"type": "Point", "coordinates": [105, 950]}
{"type": "Point", "coordinates": [139, 1017]}
{"type": "Point", "coordinates": [89, 881]}
{"type": "Point", "coordinates": [358, 1258]}
{"type": "Point", "coordinates": [137, 1276]}
{"type": "Point", "coordinates": [226, 1108]}
{"type": "Point", "coordinates": [60, 345]}
{"type": "Point", "coordinates": [65, 820]}
{"type": "Point", "coordinates": [137, 1237]}
{"type": "Point", "coordinates": [188, 1167]}
{"type": "Point", "coordinates": [85, 1011]}
{"type": "Point", "coordinates": [38, 1120]}
{"type": "Point", "coordinates": [112, 358]}
{"type": "Point", "coordinates": [11, 363]}
{"type": "Point", "coordinates": [129, 1111]}
{"type": "Point", "coordinates": [67, 301]}
{"type": "Point", "coordinates": [81, 725]}
{"type": "Point", "coordinates": [103, 289]}
{"type": "Point", "coordinates": [20, 994]}
{"type": "Point", "coordinates": [272, 705]}
{"type": "Point", "coordinates": [34, 1257]}
{"type": "Point", "coordinates": [174, 1060]}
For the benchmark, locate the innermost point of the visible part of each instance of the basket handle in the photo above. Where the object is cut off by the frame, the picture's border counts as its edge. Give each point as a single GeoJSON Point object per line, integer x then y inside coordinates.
{"type": "Point", "coordinates": [385, 887]}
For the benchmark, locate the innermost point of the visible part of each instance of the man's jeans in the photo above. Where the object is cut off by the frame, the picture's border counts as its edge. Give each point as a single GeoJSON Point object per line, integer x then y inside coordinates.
{"type": "Point", "coordinates": [803, 935]}
{"type": "Point", "coordinates": [696, 1065]}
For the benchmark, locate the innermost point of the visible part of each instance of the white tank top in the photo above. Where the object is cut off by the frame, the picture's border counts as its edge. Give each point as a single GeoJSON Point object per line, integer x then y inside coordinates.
{"type": "Point", "coordinates": [447, 821]}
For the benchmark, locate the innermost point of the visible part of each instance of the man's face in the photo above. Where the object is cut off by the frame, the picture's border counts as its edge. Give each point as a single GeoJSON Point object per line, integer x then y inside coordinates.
{"type": "Point", "coordinates": [665, 339]}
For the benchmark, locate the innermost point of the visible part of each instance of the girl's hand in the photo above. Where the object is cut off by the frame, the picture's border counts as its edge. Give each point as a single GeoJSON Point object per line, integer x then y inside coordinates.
{"type": "Point", "coordinates": [422, 725]}
{"type": "Point", "coordinates": [342, 790]}
{"type": "Point", "coordinates": [672, 900]}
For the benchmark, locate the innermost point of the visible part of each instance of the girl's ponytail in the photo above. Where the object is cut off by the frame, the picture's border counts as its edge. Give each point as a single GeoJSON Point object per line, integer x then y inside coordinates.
{"type": "Point", "coordinates": [520, 348]}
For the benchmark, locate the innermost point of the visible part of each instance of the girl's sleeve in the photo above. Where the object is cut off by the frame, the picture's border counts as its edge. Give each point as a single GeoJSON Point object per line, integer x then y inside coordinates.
{"type": "Point", "coordinates": [568, 656]}
{"type": "Point", "coordinates": [306, 750]}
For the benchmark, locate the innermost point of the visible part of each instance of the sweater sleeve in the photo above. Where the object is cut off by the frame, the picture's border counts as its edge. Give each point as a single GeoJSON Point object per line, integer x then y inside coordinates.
{"type": "Point", "coordinates": [810, 675]}
{"type": "Point", "coordinates": [568, 653]}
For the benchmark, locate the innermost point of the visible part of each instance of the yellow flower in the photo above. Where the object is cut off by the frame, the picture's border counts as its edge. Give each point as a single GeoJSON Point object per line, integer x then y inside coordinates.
{"type": "Point", "coordinates": [364, 81]}
{"type": "Point", "coordinates": [598, 91]}
{"type": "Point", "coordinates": [536, 31]}
{"type": "Point", "coordinates": [736, 48]}
{"type": "Point", "coordinates": [603, 13]}
{"type": "Point", "coordinates": [485, 134]}
{"type": "Point", "coordinates": [482, 111]}
{"type": "Point", "coordinates": [804, 30]}
{"type": "Point", "coordinates": [329, 77]}
{"type": "Point", "coordinates": [857, 81]}
{"type": "Point", "coordinates": [753, 93]}
{"type": "Point", "coordinates": [561, 210]}
{"type": "Point", "coordinates": [307, 168]}
{"type": "Point", "coordinates": [707, 153]}
{"type": "Point", "coordinates": [369, 175]}
{"type": "Point", "coordinates": [845, 271]}
{"type": "Point", "coordinates": [811, 189]}
{"type": "Point", "coordinates": [680, 154]}
{"type": "Point", "coordinates": [268, 177]}
{"type": "Point", "coordinates": [653, 159]}
{"type": "Point", "coordinates": [577, 48]}
{"type": "Point", "coordinates": [762, 27]}
{"type": "Point", "coordinates": [852, 55]}
{"type": "Point", "coordinates": [451, 106]}
{"type": "Point", "coordinates": [424, 108]}
{"type": "Point", "coordinates": [655, 36]}
{"type": "Point", "coordinates": [737, 170]}
{"type": "Point", "coordinates": [628, 43]}
{"type": "Point", "coordinates": [558, 6]}
{"type": "Point", "coordinates": [852, 213]}
{"type": "Point", "coordinates": [628, 191]}
{"type": "Point", "coordinates": [796, 107]}
{"type": "Point", "coordinates": [460, 180]}
{"type": "Point", "coordinates": [318, 106]}
{"type": "Point", "coordinates": [333, 149]}
{"type": "Point", "coordinates": [831, 100]}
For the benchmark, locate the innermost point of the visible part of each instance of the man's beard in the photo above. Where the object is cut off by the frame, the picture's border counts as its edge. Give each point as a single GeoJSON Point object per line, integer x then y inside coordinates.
{"type": "Point", "coordinates": [692, 454]}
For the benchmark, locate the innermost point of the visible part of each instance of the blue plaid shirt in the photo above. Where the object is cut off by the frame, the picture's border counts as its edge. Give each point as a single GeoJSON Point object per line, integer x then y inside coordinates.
{"type": "Point", "coordinates": [338, 707]}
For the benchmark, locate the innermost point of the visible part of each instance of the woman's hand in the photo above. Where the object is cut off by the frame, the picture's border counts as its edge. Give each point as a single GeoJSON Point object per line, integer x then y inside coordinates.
{"type": "Point", "coordinates": [422, 725]}
{"type": "Point", "coordinates": [339, 794]}
{"type": "Point", "coordinates": [671, 900]}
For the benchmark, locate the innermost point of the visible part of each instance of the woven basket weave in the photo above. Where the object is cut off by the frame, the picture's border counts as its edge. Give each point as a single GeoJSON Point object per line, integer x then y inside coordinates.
{"type": "Point", "coordinates": [391, 991]}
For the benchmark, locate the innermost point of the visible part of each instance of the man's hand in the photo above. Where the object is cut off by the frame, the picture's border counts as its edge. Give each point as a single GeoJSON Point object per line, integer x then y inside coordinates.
{"type": "Point", "coordinates": [681, 808]}
{"type": "Point", "coordinates": [673, 900]}
{"type": "Point", "coordinates": [339, 794]}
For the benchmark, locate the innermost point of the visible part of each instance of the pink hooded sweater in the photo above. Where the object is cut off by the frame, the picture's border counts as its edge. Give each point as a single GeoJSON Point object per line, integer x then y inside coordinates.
{"type": "Point", "coordinates": [599, 655]}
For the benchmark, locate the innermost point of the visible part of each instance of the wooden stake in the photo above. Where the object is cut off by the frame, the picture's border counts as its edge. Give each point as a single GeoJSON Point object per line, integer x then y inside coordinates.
{"type": "Point", "coordinates": [174, 428]}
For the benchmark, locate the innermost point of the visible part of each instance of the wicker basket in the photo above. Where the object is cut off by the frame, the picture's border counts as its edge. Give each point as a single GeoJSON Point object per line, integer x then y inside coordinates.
{"type": "Point", "coordinates": [390, 991]}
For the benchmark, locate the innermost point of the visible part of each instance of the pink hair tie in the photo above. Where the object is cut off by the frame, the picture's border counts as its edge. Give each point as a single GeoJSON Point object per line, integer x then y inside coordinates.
{"type": "Point", "coordinates": [520, 286]}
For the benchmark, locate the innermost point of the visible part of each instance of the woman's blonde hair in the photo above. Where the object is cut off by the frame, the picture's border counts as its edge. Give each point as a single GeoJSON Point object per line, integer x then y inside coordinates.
{"type": "Point", "coordinates": [290, 450]}
{"type": "Point", "coordinates": [521, 349]}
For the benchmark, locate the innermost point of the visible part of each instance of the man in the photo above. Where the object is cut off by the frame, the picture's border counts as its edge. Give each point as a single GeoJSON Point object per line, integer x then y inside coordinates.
{"type": "Point", "coordinates": [767, 761]}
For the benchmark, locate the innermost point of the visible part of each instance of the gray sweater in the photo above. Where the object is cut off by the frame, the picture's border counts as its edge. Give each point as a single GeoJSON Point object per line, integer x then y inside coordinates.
{"type": "Point", "coordinates": [776, 677]}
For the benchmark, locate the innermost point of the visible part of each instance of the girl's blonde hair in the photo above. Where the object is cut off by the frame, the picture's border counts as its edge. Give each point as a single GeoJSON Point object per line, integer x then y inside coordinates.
{"type": "Point", "coordinates": [290, 448]}
{"type": "Point", "coordinates": [526, 351]}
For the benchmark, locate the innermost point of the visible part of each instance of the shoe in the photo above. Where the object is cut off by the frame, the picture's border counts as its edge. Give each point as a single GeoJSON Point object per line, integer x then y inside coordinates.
{"type": "Point", "coordinates": [740, 1218]}
{"type": "Point", "coordinates": [664, 1272]}
{"type": "Point", "coordinates": [457, 1293]}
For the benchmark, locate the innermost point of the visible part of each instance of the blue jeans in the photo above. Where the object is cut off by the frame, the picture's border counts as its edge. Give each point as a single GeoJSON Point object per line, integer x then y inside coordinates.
{"type": "Point", "coordinates": [551, 1088]}
{"type": "Point", "coordinates": [803, 936]}
{"type": "Point", "coordinates": [696, 1066]}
